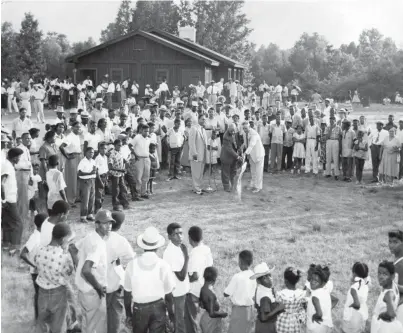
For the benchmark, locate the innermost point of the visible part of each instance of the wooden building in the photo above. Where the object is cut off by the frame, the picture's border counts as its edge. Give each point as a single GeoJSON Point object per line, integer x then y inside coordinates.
{"type": "Point", "coordinates": [150, 56]}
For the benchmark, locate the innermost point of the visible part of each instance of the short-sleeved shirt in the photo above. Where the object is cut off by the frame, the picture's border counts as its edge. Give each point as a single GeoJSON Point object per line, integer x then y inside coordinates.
{"type": "Point", "coordinates": [347, 143]}
{"type": "Point", "coordinates": [86, 166]}
{"type": "Point", "coordinates": [73, 143]}
{"type": "Point", "coordinates": [199, 259]}
{"type": "Point", "coordinates": [91, 248]}
{"type": "Point", "coordinates": [54, 266]}
{"type": "Point", "coordinates": [173, 255]}
{"type": "Point", "coordinates": [241, 289]}
{"type": "Point", "coordinates": [288, 137]}
{"type": "Point", "coordinates": [117, 161]}
{"type": "Point", "coordinates": [101, 163]}
{"type": "Point", "coordinates": [46, 232]}
{"type": "Point", "coordinates": [335, 132]}
{"type": "Point", "coordinates": [96, 115]}
{"type": "Point", "coordinates": [34, 187]}
{"type": "Point", "coordinates": [92, 140]}
{"type": "Point", "coordinates": [264, 131]}
{"type": "Point", "coordinates": [149, 278]}
{"type": "Point", "coordinates": [33, 243]}
{"type": "Point", "coordinates": [56, 183]}
{"type": "Point", "coordinates": [10, 182]}
{"type": "Point", "coordinates": [21, 126]}
{"type": "Point", "coordinates": [277, 133]}
{"type": "Point", "coordinates": [141, 145]}
{"type": "Point", "coordinates": [311, 132]}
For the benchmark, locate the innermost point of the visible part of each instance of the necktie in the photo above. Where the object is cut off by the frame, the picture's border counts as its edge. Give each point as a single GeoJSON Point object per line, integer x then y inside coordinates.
{"type": "Point", "coordinates": [377, 138]}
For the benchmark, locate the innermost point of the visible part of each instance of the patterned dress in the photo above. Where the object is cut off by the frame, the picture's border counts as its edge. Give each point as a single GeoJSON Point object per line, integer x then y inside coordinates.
{"type": "Point", "coordinates": [293, 319]}
{"type": "Point", "coordinates": [322, 158]}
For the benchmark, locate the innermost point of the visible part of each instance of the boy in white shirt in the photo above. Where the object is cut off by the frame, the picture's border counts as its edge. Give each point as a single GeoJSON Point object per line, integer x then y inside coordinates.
{"type": "Point", "coordinates": [87, 172]}
{"type": "Point", "coordinates": [176, 255]}
{"type": "Point", "coordinates": [55, 182]}
{"type": "Point", "coordinates": [28, 253]}
{"type": "Point", "coordinates": [200, 258]}
{"type": "Point", "coordinates": [241, 291]}
{"type": "Point", "coordinates": [101, 162]}
{"type": "Point", "coordinates": [175, 140]}
{"type": "Point", "coordinates": [33, 189]}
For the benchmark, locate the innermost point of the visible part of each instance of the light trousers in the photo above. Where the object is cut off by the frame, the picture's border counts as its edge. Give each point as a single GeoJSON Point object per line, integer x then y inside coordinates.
{"type": "Point", "coordinates": [38, 108]}
{"type": "Point", "coordinates": [276, 155]}
{"type": "Point", "coordinates": [311, 156]}
{"type": "Point", "coordinates": [197, 174]}
{"type": "Point", "coordinates": [142, 174]}
{"type": "Point", "coordinates": [212, 99]}
{"type": "Point", "coordinates": [332, 155]}
{"type": "Point", "coordinates": [22, 194]}
{"type": "Point", "coordinates": [71, 179]}
{"type": "Point", "coordinates": [12, 104]}
{"type": "Point", "coordinates": [256, 169]}
{"type": "Point", "coordinates": [93, 310]}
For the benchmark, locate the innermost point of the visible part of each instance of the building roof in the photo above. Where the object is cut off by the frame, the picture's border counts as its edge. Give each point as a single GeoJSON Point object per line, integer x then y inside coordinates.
{"type": "Point", "coordinates": [193, 50]}
{"type": "Point", "coordinates": [197, 47]}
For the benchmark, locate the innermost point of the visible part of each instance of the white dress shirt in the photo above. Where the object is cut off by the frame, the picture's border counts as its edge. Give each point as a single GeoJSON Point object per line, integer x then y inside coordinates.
{"type": "Point", "coordinates": [73, 143]}
{"type": "Point", "coordinates": [149, 278]}
{"type": "Point", "coordinates": [175, 138]}
{"type": "Point", "coordinates": [163, 87]}
{"type": "Point", "coordinates": [56, 183]}
{"type": "Point", "coordinates": [86, 165]}
{"type": "Point", "coordinates": [10, 183]}
{"type": "Point", "coordinates": [111, 88]}
{"type": "Point", "coordinates": [21, 126]}
{"type": "Point", "coordinates": [173, 255]}
{"type": "Point", "coordinates": [264, 131]}
{"type": "Point", "coordinates": [199, 259]}
{"type": "Point", "coordinates": [91, 248]}
{"type": "Point", "coordinates": [379, 136]}
{"type": "Point", "coordinates": [141, 145]}
{"type": "Point", "coordinates": [101, 163]}
{"type": "Point", "coordinates": [25, 159]}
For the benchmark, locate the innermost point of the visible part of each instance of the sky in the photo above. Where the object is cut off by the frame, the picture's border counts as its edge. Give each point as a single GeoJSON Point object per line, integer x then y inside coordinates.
{"type": "Point", "coordinates": [281, 22]}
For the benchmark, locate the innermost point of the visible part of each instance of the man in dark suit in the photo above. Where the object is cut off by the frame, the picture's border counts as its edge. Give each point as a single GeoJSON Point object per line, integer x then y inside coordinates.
{"type": "Point", "coordinates": [229, 158]}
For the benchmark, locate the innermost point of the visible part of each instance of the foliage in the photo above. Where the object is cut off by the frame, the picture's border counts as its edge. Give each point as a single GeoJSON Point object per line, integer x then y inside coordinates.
{"type": "Point", "coordinates": [8, 50]}
{"type": "Point", "coordinates": [122, 24]}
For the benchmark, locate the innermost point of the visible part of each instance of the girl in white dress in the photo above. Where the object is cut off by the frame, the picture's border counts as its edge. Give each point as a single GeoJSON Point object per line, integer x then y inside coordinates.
{"type": "Point", "coordinates": [319, 310]}
{"type": "Point", "coordinates": [384, 316]}
{"type": "Point", "coordinates": [299, 149]}
{"type": "Point", "coordinates": [26, 101]}
{"type": "Point", "coordinates": [355, 312]}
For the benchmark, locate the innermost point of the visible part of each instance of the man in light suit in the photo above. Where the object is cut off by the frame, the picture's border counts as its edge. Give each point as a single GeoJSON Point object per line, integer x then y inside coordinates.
{"type": "Point", "coordinates": [197, 153]}
{"type": "Point", "coordinates": [255, 152]}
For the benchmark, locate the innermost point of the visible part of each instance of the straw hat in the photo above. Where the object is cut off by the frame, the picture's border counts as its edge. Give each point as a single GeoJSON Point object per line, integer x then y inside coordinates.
{"type": "Point", "coordinates": [261, 270]}
{"type": "Point", "coordinates": [150, 239]}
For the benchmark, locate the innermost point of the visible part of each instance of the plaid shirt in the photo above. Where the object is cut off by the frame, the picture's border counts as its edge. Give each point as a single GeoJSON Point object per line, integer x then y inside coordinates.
{"type": "Point", "coordinates": [117, 161]}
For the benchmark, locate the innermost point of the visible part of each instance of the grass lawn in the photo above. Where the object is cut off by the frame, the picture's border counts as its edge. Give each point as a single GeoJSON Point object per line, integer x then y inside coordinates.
{"type": "Point", "coordinates": [295, 220]}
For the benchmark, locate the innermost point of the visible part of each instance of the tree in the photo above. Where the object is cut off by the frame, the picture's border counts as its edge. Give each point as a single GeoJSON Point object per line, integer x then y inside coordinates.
{"type": "Point", "coordinates": [185, 10]}
{"type": "Point", "coordinates": [82, 46]}
{"type": "Point", "coordinates": [8, 48]}
{"type": "Point", "coordinates": [29, 46]}
{"type": "Point", "coordinates": [122, 24]}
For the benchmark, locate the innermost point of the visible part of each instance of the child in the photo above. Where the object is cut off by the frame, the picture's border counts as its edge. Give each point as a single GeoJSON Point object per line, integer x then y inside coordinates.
{"type": "Point", "coordinates": [87, 172]}
{"type": "Point", "coordinates": [384, 315]}
{"type": "Point", "coordinates": [299, 149]}
{"type": "Point", "coordinates": [356, 309]}
{"type": "Point", "coordinates": [33, 189]}
{"type": "Point", "coordinates": [360, 154]}
{"type": "Point", "coordinates": [210, 321]}
{"type": "Point", "coordinates": [294, 317]}
{"type": "Point", "coordinates": [319, 310]}
{"type": "Point", "coordinates": [241, 290]}
{"type": "Point", "coordinates": [200, 258]}
{"type": "Point", "coordinates": [101, 162]}
{"type": "Point", "coordinates": [328, 286]}
{"type": "Point", "coordinates": [55, 183]}
{"type": "Point", "coordinates": [153, 167]}
{"type": "Point", "coordinates": [396, 248]}
{"type": "Point", "coordinates": [28, 253]}
{"type": "Point", "coordinates": [213, 151]}
{"type": "Point", "coordinates": [265, 302]}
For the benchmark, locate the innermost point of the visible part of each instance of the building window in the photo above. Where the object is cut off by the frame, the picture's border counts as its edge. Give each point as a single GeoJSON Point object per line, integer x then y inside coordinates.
{"type": "Point", "coordinates": [229, 73]}
{"type": "Point", "coordinates": [116, 74]}
{"type": "Point", "coordinates": [161, 74]}
{"type": "Point", "coordinates": [139, 43]}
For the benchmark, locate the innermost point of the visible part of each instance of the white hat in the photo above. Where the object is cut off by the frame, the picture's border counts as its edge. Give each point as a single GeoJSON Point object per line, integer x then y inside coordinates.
{"type": "Point", "coordinates": [261, 270]}
{"type": "Point", "coordinates": [74, 110]}
{"type": "Point", "coordinates": [85, 114]}
{"type": "Point", "coordinates": [150, 239]}
{"type": "Point", "coordinates": [163, 107]}
{"type": "Point", "coordinates": [99, 100]}
{"type": "Point", "coordinates": [60, 109]}
{"type": "Point", "coordinates": [401, 120]}
{"type": "Point", "coordinates": [194, 103]}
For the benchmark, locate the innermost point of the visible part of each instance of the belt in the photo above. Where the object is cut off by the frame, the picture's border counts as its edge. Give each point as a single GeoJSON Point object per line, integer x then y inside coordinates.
{"type": "Point", "coordinates": [23, 170]}
{"type": "Point", "coordinates": [142, 156]}
{"type": "Point", "coordinates": [148, 304]}
{"type": "Point", "coordinates": [334, 139]}
{"type": "Point", "coordinates": [37, 99]}
{"type": "Point", "coordinates": [311, 138]}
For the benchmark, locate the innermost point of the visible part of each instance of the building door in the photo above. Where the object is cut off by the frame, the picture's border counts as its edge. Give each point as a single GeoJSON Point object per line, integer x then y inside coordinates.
{"type": "Point", "coordinates": [84, 73]}
{"type": "Point", "coordinates": [191, 76]}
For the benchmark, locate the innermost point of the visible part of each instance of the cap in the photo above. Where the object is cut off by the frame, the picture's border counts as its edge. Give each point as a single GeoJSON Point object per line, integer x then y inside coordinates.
{"type": "Point", "coordinates": [323, 121]}
{"type": "Point", "coordinates": [60, 109]}
{"type": "Point", "coordinates": [163, 107]}
{"type": "Point", "coordinates": [104, 216]}
{"type": "Point", "coordinates": [73, 111]}
{"type": "Point", "coordinates": [180, 102]}
{"type": "Point", "coordinates": [122, 136]}
{"type": "Point", "coordinates": [194, 103]}
{"type": "Point", "coordinates": [401, 120]}
{"type": "Point", "coordinates": [85, 114]}
{"type": "Point", "coordinates": [147, 86]}
{"type": "Point", "coordinates": [288, 120]}
{"type": "Point", "coordinates": [327, 99]}
{"type": "Point", "coordinates": [99, 100]}
{"type": "Point", "coordinates": [218, 103]}
{"type": "Point", "coordinates": [119, 218]}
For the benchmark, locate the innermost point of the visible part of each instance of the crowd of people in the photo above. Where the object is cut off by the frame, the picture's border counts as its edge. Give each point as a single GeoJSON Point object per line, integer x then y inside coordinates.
{"type": "Point", "coordinates": [89, 151]}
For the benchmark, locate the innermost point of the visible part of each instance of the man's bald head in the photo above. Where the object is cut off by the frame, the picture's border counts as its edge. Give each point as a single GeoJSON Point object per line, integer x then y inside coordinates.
{"type": "Point", "coordinates": [231, 128]}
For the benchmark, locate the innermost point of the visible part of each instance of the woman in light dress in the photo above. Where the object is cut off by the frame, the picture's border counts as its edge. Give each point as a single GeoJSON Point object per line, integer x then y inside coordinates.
{"type": "Point", "coordinates": [26, 101]}
{"type": "Point", "coordinates": [299, 149]}
{"type": "Point", "coordinates": [389, 166]}
{"type": "Point", "coordinates": [356, 99]}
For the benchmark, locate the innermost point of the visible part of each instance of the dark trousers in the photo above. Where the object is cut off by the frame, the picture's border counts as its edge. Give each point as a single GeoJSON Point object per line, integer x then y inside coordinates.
{"type": "Point", "coordinates": [87, 196]}
{"type": "Point", "coordinates": [119, 192]}
{"type": "Point", "coordinates": [100, 191]}
{"type": "Point", "coordinates": [132, 184]}
{"type": "Point", "coordinates": [359, 167]}
{"type": "Point", "coordinates": [287, 153]}
{"type": "Point", "coordinates": [149, 318]}
{"type": "Point", "coordinates": [228, 173]}
{"type": "Point", "coordinates": [175, 162]}
{"type": "Point", "coordinates": [401, 164]}
{"type": "Point", "coordinates": [36, 288]}
{"type": "Point", "coordinates": [11, 224]}
{"type": "Point", "coordinates": [347, 166]}
{"type": "Point", "coordinates": [266, 157]}
{"type": "Point", "coordinates": [179, 306]}
{"type": "Point", "coordinates": [191, 311]}
{"type": "Point", "coordinates": [164, 153]}
{"type": "Point", "coordinates": [114, 310]}
{"type": "Point", "coordinates": [221, 137]}
{"type": "Point", "coordinates": [376, 160]}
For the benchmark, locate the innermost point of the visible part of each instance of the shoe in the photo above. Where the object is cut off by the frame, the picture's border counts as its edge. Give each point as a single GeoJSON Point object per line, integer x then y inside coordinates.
{"type": "Point", "coordinates": [336, 177]}
{"type": "Point", "coordinates": [348, 180]}
{"type": "Point", "coordinates": [145, 196]}
{"type": "Point", "coordinates": [328, 176]}
{"type": "Point", "coordinates": [375, 181]}
{"type": "Point", "coordinates": [83, 219]}
{"type": "Point", "coordinates": [138, 199]}
{"type": "Point", "coordinates": [199, 192]}
{"type": "Point", "coordinates": [126, 207]}
{"type": "Point", "coordinates": [176, 177]}
{"type": "Point", "coordinates": [255, 190]}
{"type": "Point", "coordinates": [169, 179]}
{"type": "Point", "coordinates": [357, 183]}
{"type": "Point", "coordinates": [154, 183]}
{"type": "Point", "coordinates": [90, 217]}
